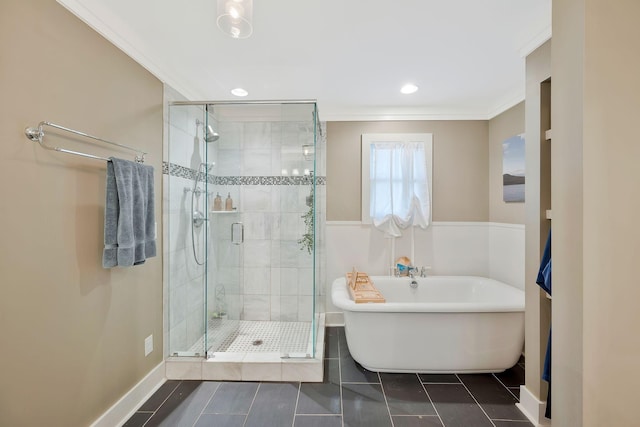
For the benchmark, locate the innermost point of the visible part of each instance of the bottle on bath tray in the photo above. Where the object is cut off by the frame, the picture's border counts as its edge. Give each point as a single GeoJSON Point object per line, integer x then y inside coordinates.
{"type": "Point", "coordinates": [217, 203]}
{"type": "Point", "coordinates": [228, 203]}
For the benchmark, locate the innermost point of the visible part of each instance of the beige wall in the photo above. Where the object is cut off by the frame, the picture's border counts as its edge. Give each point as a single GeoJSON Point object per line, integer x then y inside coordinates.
{"type": "Point", "coordinates": [611, 197]}
{"type": "Point", "coordinates": [501, 127]}
{"type": "Point", "coordinates": [460, 167]}
{"type": "Point", "coordinates": [72, 332]}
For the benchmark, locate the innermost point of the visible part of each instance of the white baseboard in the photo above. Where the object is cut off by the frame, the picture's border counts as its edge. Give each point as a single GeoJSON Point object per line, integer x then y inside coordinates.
{"type": "Point", "coordinates": [532, 408]}
{"type": "Point", "coordinates": [335, 318]}
{"type": "Point", "coordinates": [122, 410]}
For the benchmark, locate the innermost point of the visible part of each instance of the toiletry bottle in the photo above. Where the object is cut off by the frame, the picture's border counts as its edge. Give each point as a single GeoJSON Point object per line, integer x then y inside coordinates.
{"type": "Point", "coordinates": [228, 204]}
{"type": "Point", "coordinates": [217, 203]}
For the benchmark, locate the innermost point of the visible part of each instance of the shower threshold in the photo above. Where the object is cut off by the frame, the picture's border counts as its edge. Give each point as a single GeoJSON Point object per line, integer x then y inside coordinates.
{"type": "Point", "coordinates": [254, 351]}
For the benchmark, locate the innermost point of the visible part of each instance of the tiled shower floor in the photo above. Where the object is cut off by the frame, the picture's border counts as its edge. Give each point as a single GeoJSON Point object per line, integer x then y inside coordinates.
{"type": "Point", "coordinates": [249, 336]}
{"type": "Point", "coordinates": [349, 396]}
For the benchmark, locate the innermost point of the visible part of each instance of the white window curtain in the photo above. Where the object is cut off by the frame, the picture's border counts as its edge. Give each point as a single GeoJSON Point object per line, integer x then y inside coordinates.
{"type": "Point", "coordinates": [399, 187]}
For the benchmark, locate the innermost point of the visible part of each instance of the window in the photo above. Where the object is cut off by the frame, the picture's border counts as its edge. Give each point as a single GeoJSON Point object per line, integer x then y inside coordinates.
{"type": "Point", "coordinates": [396, 181]}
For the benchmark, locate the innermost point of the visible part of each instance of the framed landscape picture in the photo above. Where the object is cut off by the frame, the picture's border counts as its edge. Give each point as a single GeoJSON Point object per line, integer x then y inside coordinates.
{"type": "Point", "coordinates": [513, 166]}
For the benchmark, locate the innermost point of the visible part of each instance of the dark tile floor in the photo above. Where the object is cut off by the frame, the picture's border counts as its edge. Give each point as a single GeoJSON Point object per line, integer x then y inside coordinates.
{"type": "Point", "coordinates": [349, 396]}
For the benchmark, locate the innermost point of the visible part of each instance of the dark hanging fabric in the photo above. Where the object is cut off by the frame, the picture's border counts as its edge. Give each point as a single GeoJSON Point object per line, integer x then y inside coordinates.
{"type": "Point", "coordinates": [544, 281]}
{"type": "Point", "coordinates": [544, 274]}
{"type": "Point", "coordinates": [546, 375]}
{"type": "Point", "coordinates": [547, 411]}
{"type": "Point", "coordinates": [546, 372]}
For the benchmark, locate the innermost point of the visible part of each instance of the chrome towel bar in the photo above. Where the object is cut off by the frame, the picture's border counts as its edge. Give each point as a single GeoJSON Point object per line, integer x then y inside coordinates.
{"type": "Point", "coordinates": [36, 134]}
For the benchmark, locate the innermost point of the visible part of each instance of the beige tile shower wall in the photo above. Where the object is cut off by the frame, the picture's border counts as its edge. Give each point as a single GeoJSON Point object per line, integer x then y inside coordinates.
{"type": "Point", "coordinates": [501, 127]}
{"type": "Point", "coordinates": [460, 171]}
{"type": "Point", "coordinates": [72, 332]}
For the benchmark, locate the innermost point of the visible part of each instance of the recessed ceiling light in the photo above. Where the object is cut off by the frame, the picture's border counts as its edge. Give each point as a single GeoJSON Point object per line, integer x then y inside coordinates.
{"type": "Point", "coordinates": [409, 88]}
{"type": "Point", "coordinates": [239, 92]}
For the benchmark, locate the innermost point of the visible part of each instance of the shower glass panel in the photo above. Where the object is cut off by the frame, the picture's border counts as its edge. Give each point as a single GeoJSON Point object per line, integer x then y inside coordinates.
{"type": "Point", "coordinates": [260, 206]}
{"type": "Point", "coordinates": [188, 228]}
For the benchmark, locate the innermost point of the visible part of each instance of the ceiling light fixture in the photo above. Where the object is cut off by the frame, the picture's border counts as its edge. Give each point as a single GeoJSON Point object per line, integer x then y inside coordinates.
{"type": "Point", "coordinates": [235, 17]}
{"type": "Point", "coordinates": [239, 92]}
{"type": "Point", "coordinates": [409, 88]}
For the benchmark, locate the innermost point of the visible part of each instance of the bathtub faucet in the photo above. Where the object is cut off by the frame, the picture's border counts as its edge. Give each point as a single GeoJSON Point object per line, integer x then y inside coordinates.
{"type": "Point", "coordinates": [412, 274]}
{"type": "Point", "coordinates": [423, 271]}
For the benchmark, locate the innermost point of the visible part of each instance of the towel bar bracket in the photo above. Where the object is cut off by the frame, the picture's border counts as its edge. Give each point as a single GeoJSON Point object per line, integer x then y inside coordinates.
{"type": "Point", "coordinates": [34, 134]}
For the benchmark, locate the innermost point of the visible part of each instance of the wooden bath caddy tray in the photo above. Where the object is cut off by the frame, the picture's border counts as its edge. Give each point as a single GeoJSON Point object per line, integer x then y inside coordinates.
{"type": "Point", "coordinates": [362, 289]}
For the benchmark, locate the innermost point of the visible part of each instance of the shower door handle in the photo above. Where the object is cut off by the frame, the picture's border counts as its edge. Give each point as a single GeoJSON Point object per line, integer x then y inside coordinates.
{"type": "Point", "coordinates": [237, 228]}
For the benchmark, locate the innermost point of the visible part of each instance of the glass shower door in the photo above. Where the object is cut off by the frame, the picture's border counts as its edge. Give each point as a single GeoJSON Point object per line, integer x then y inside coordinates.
{"type": "Point", "coordinates": [224, 272]}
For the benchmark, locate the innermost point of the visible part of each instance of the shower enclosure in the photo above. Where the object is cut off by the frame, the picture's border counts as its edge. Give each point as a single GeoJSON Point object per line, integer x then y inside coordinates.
{"type": "Point", "coordinates": [245, 212]}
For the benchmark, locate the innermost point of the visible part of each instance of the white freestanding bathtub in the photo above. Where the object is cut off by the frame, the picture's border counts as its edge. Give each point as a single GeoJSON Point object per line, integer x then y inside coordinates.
{"type": "Point", "coordinates": [447, 324]}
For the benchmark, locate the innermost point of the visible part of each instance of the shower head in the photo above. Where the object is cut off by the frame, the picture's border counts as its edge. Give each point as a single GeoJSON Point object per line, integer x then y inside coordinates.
{"type": "Point", "coordinates": [209, 134]}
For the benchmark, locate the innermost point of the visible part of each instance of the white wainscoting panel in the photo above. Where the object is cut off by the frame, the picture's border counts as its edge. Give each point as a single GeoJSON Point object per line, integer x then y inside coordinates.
{"type": "Point", "coordinates": [460, 249]}
{"type": "Point", "coordinates": [506, 253]}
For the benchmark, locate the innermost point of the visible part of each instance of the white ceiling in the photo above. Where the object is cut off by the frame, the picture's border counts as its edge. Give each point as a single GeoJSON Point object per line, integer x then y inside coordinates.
{"type": "Point", "coordinates": [467, 56]}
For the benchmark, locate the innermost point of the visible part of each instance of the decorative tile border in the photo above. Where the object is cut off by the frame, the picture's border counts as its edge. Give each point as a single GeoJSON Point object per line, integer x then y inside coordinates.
{"type": "Point", "coordinates": [177, 170]}
{"type": "Point", "coordinates": [183, 172]}
{"type": "Point", "coordinates": [267, 180]}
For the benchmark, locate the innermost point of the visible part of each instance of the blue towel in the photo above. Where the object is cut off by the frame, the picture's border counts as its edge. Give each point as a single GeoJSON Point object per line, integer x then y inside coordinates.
{"type": "Point", "coordinates": [129, 218]}
{"type": "Point", "coordinates": [544, 281]}
{"type": "Point", "coordinates": [544, 274]}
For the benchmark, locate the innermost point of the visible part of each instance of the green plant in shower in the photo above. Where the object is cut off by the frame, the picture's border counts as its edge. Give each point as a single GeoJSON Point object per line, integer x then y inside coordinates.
{"type": "Point", "coordinates": [306, 242]}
